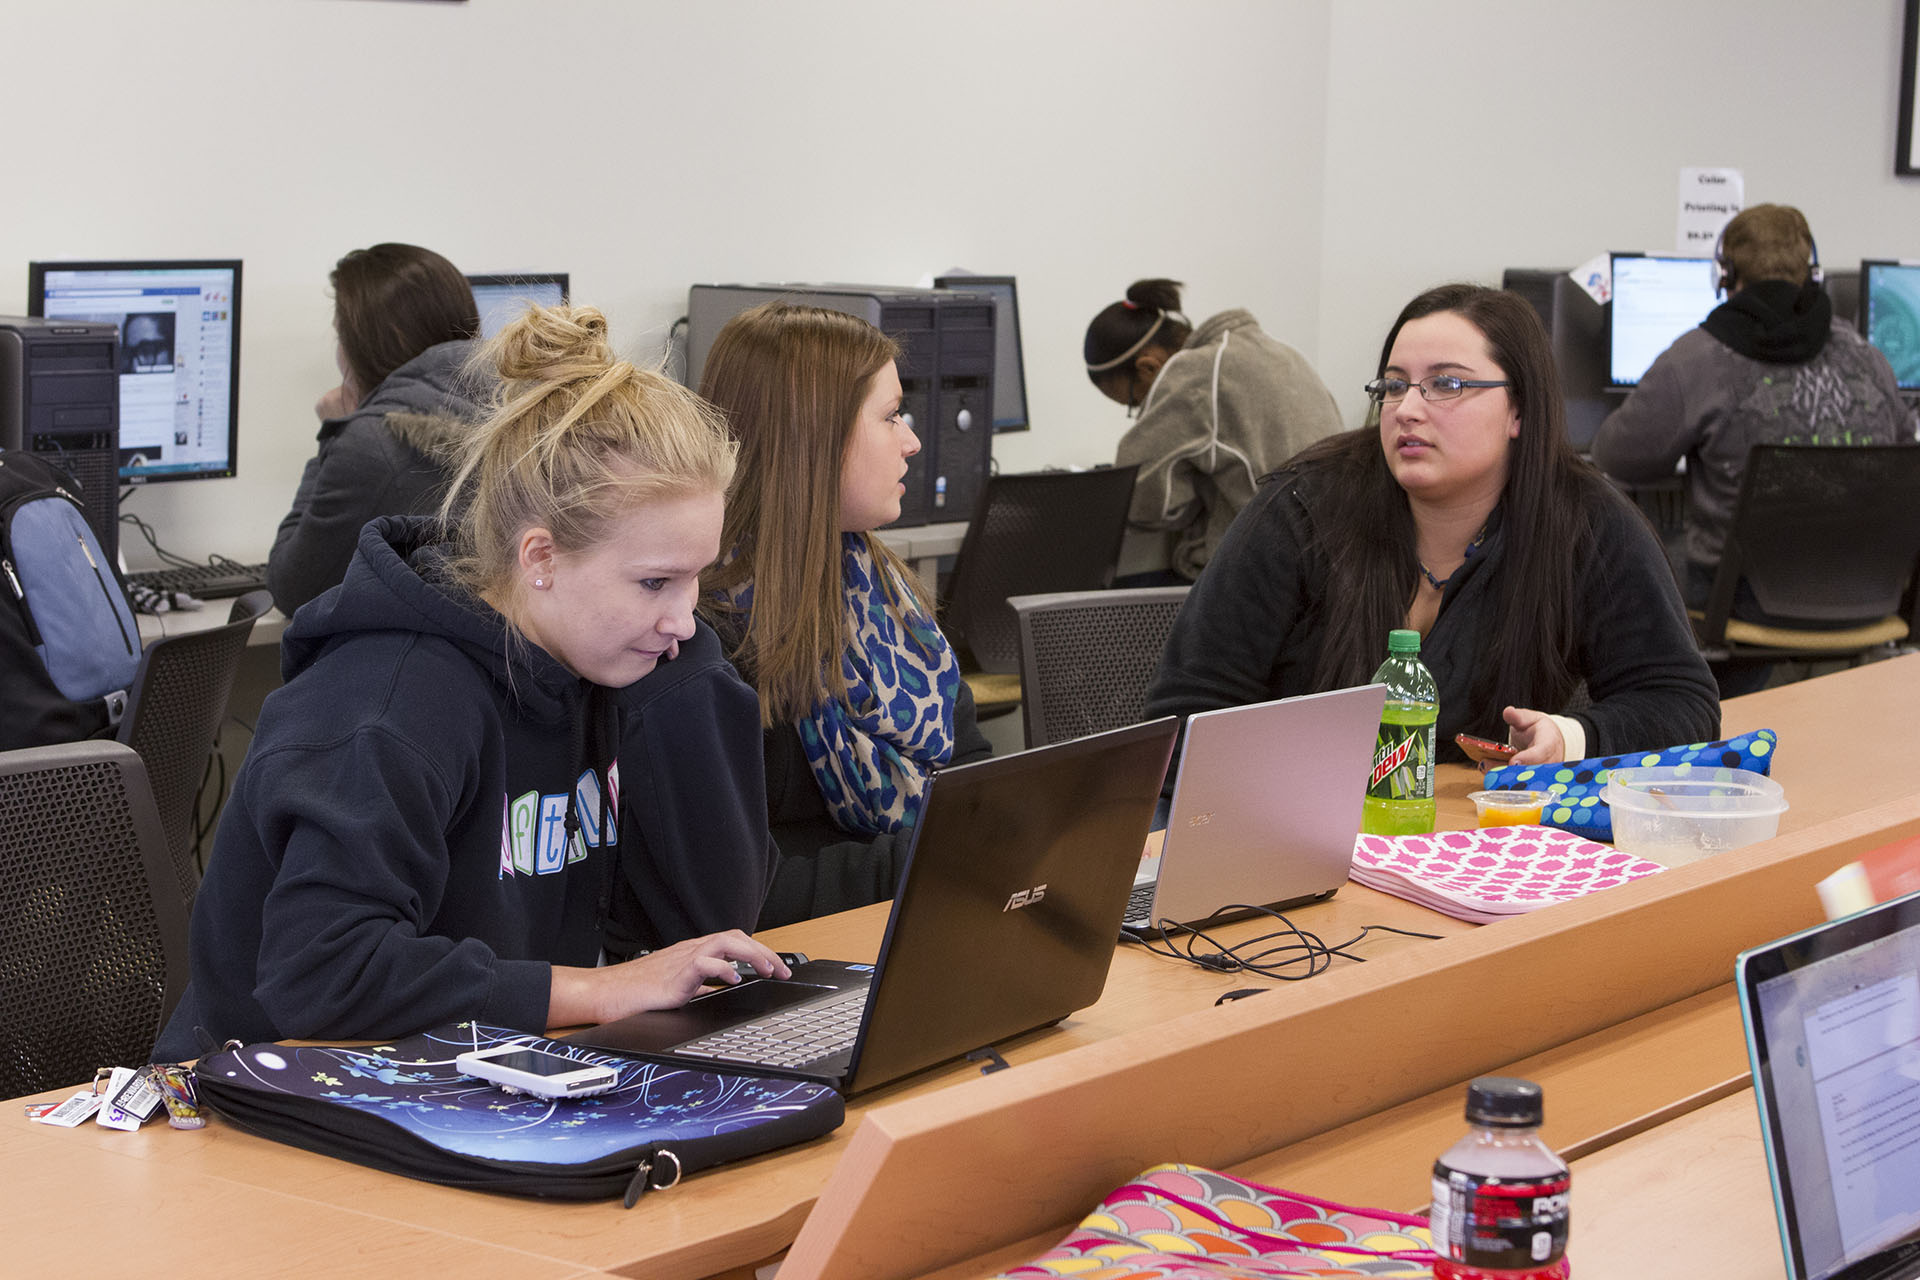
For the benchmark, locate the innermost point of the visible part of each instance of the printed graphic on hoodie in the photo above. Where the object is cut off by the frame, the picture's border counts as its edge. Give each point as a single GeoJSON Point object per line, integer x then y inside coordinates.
{"type": "Point", "coordinates": [533, 827]}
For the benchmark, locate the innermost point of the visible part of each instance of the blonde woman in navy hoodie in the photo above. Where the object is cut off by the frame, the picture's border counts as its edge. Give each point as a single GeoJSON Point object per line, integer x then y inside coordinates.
{"type": "Point", "coordinates": [429, 824]}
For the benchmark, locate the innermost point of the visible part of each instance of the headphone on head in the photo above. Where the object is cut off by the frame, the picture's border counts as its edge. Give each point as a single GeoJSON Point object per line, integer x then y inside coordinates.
{"type": "Point", "coordinates": [1723, 274]}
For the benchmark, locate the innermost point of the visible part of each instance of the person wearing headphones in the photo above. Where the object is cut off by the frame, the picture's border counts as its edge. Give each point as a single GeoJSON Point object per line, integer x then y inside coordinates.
{"type": "Point", "coordinates": [1219, 407]}
{"type": "Point", "coordinates": [1770, 365]}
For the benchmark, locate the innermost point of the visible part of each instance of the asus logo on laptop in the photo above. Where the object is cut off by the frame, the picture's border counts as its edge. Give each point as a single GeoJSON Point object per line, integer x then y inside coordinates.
{"type": "Point", "coordinates": [1025, 898]}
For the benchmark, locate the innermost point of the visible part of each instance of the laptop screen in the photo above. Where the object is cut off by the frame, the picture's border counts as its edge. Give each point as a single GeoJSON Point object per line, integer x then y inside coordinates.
{"type": "Point", "coordinates": [1833, 1028]}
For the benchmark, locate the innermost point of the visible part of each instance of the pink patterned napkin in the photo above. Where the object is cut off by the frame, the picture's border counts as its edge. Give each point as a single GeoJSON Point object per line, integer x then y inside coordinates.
{"type": "Point", "coordinates": [1494, 873]}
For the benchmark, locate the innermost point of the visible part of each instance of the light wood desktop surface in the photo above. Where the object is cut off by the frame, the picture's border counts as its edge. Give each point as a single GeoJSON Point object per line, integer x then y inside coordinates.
{"type": "Point", "coordinates": [221, 1202]}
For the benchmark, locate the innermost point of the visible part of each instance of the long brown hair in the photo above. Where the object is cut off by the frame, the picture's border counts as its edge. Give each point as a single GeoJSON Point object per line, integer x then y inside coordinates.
{"type": "Point", "coordinates": [393, 301]}
{"type": "Point", "coordinates": [791, 381]}
{"type": "Point", "coordinates": [1548, 509]}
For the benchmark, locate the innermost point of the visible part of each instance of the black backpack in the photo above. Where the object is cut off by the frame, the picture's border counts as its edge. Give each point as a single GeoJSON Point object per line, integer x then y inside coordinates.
{"type": "Point", "coordinates": [69, 645]}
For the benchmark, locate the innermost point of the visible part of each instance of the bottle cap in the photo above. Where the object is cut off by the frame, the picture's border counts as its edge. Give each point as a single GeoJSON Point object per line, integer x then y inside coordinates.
{"type": "Point", "coordinates": [1403, 641]}
{"type": "Point", "coordinates": [1505, 1102]}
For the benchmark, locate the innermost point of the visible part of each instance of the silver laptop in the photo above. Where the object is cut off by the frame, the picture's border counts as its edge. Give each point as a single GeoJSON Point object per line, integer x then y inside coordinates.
{"type": "Point", "coordinates": [1833, 1031]}
{"type": "Point", "coordinates": [1266, 806]}
{"type": "Point", "coordinates": [1004, 922]}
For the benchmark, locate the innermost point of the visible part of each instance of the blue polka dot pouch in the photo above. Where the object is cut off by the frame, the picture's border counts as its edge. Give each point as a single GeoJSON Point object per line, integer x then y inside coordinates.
{"type": "Point", "coordinates": [1575, 785]}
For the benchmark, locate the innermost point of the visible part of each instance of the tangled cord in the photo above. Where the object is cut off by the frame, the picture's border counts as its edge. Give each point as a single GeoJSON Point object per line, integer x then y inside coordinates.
{"type": "Point", "coordinates": [1295, 946]}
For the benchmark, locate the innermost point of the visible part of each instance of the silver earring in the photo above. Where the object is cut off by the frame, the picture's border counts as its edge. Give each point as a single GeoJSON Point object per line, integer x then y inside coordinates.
{"type": "Point", "coordinates": [539, 582]}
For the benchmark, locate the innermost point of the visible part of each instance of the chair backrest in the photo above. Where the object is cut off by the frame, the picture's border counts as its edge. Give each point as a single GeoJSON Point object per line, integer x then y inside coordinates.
{"type": "Point", "coordinates": [1825, 533]}
{"type": "Point", "coordinates": [1041, 531]}
{"type": "Point", "coordinates": [95, 950]}
{"type": "Point", "coordinates": [1086, 658]}
{"type": "Point", "coordinates": [173, 716]}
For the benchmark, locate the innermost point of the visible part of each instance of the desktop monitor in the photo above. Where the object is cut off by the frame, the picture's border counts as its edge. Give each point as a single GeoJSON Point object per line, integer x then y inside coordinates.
{"type": "Point", "coordinates": [1655, 300]}
{"type": "Point", "coordinates": [503, 298]}
{"type": "Point", "coordinates": [1009, 364]}
{"type": "Point", "coordinates": [1890, 315]}
{"type": "Point", "coordinates": [179, 369]}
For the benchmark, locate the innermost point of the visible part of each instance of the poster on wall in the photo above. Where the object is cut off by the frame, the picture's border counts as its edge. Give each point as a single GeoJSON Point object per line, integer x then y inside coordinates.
{"type": "Point", "coordinates": [1906, 157]}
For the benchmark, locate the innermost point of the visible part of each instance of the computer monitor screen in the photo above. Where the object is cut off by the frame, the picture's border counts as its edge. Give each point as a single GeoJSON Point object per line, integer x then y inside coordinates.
{"type": "Point", "coordinates": [179, 356]}
{"type": "Point", "coordinates": [503, 298]}
{"type": "Point", "coordinates": [1655, 300]}
{"type": "Point", "coordinates": [1009, 365]}
{"type": "Point", "coordinates": [1890, 316]}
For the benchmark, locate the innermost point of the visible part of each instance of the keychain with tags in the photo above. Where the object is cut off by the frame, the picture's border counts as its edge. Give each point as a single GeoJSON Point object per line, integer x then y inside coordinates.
{"type": "Point", "coordinates": [132, 1098]}
{"type": "Point", "coordinates": [74, 1111]}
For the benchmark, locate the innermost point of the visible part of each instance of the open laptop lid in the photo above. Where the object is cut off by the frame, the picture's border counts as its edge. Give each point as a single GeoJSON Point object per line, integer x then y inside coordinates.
{"type": "Point", "coordinates": [1833, 1031]}
{"type": "Point", "coordinates": [1267, 802]}
{"type": "Point", "coordinates": [1012, 897]}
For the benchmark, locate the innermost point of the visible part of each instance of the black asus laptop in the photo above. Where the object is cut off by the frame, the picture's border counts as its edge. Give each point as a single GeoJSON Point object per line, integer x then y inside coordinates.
{"type": "Point", "coordinates": [1833, 1031]}
{"type": "Point", "coordinates": [1005, 921]}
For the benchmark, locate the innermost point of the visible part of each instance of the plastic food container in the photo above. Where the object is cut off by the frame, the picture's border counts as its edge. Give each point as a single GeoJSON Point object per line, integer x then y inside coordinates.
{"type": "Point", "coordinates": [1508, 808]}
{"type": "Point", "coordinates": [1681, 813]}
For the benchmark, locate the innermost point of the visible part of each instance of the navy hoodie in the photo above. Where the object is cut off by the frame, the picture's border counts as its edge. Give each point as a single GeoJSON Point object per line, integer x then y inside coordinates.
{"type": "Point", "coordinates": [396, 852]}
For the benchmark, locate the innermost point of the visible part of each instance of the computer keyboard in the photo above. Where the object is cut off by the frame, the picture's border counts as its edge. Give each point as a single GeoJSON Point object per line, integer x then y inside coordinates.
{"type": "Point", "coordinates": [1139, 903]}
{"type": "Point", "coordinates": [203, 581]}
{"type": "Point", "coordinates": [794, 1037]}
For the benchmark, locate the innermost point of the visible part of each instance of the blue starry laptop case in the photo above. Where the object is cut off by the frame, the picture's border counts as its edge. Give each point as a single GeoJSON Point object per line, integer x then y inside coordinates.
{"type": "Point", "coordinates": [406, 1108]}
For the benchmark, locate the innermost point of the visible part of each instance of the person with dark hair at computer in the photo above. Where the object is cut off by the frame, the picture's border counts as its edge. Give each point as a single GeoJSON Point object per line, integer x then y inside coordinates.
{"type": "Point", "coordinates": [860, 694]}
{"type": "Point", "coordinates": [1219, 406]}
{"type": "Point", "coordinates": [403, 319]}
{"type": "Point", "coordinates": [1770, 365]}
{"type": "Point", "coordinates": [509, 777]}
{"type": "Point", "coordinates": [1549, 614]}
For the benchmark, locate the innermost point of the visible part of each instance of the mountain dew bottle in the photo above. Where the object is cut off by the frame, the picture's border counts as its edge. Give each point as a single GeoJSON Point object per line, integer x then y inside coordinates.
{"type": "Point", "coordinates": [1400, 787]}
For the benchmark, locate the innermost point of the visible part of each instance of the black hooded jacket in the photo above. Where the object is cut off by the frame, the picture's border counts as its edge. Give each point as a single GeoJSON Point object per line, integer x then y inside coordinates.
{"type": "Point", "coordinates": [396, 851]}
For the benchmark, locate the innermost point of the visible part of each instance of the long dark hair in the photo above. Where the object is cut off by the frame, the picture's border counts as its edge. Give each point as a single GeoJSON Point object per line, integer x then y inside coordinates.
{"type": "Point", "coordinates": [393, 301]}
{"type": "Point", "coordinates": [1548, 509]}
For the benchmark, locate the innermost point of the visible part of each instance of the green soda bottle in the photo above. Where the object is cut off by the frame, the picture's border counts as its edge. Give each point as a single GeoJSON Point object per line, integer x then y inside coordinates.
{"type": "Point", "coordinates": [1400, 786]}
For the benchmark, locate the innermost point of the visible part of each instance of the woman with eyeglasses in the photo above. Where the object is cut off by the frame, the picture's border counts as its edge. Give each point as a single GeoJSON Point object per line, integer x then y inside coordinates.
{"type": "Point", "coordinates": [1549, 614]}
{"type": "Point", "coordinates": [1219, 406]}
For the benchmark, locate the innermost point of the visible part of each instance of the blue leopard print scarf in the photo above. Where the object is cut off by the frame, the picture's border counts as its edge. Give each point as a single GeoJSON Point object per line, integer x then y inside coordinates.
{"type": "Point", "coordinates": [872, 753]}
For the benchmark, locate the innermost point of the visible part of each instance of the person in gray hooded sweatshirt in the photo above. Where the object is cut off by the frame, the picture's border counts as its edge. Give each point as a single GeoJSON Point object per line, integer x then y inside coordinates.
{"type": "Point", "coordinates": [1219, 407]}
{"type": "Point", "coordinates": [404, 319]}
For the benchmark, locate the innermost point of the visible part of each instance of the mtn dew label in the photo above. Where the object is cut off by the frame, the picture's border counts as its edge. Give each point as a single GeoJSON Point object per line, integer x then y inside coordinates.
{"type": "Point", "coordinates": [1403, 752]}
{"type": "Point", "coordinates": [1399, 797]}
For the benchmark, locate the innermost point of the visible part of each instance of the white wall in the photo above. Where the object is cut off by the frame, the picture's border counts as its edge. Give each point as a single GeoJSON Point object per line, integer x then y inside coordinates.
{"type": "Point", "coordinates": [644, 146]}
{"type": "Point", "coordinates": [1318, 161]}
{"type": "Point", "coordinates": [1482, 134]}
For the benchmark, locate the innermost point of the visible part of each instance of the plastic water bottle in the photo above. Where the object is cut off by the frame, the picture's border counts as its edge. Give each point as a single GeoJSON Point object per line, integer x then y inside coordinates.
{"type": "Point", "coordinates": [1400, 787]}
{"type": "Point", "coordinates": [1500, 1194]}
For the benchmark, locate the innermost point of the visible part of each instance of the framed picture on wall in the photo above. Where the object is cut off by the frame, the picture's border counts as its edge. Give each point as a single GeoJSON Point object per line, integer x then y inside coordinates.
{"type": "Point", "coordinates": [1906, 158]}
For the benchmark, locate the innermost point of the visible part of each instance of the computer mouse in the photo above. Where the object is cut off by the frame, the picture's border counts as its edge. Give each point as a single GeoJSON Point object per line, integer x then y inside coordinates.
{"type": "Point", "coordinates": [790, 958]}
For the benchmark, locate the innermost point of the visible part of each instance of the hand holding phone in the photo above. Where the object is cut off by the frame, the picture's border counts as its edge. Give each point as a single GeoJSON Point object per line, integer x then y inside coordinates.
{"type": "Point", "coordinates": [520, 1069]}
{"type": "Point", "coordinates": [1484, 750]}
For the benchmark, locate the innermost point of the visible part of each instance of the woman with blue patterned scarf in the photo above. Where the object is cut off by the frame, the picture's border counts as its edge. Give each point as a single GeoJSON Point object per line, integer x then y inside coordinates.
{"type": "Point", "coordinates": [860, 694]}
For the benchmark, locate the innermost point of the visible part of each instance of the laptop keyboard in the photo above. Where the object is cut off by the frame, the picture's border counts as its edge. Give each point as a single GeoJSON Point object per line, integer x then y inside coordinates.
{"type": "Point", "coordinates": [1139, 904]}
{"type": "Point", "coordinates": [794, 1037]}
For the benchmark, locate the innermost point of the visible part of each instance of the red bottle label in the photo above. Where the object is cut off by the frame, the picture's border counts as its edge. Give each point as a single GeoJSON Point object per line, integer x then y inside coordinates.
{"type": "Point", "coordinates": [1507, 1226]}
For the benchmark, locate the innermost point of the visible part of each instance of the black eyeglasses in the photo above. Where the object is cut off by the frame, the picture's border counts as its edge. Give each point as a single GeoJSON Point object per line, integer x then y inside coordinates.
{"type": "Point", "coordinates": [1441, 386]}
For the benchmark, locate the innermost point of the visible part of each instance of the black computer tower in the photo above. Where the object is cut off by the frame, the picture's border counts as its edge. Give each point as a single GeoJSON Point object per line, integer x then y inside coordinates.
{"type": "Point", "coordinates": [946, 339]}
{"type": "Point", "coordinates": [60, 398]}
{"type": "Point", "coordinates": [1577, 326]}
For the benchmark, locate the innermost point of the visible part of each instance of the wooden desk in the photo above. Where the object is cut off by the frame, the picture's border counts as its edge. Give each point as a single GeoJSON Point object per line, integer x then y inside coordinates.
{"type": "Point", "coordinates": [721, 1219]}
{"type": "Point", "coordinates": [1347, 1084]}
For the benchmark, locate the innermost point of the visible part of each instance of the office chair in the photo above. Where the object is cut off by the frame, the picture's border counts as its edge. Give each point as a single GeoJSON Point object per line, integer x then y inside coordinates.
{"type": "Point", "coordinates": [1086, 658]}
{"type": "Point", "coordinates": [96, 944]}
{"type": "Point", "coordinates": [1824, 534]}
{"type": "Point", "coordinates": [178, 701]}
{"type": "Point", "coordinates": [1042, 531]}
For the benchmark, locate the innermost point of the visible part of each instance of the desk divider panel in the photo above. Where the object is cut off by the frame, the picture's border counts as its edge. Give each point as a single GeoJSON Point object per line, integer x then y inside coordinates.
{"type": "Point", "coordinates": [944, 1177]}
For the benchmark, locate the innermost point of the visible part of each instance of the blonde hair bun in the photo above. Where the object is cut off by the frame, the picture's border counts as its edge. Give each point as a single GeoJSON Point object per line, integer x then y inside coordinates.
{"type": "Point", "coordinates": [552, 345]}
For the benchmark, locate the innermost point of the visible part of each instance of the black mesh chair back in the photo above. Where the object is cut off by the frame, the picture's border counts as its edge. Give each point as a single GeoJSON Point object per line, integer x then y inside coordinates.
{"type": "Point", "coordinates": [1038, 532]}
{"type": "Point", "coordinates": [1086, 658]}
{"type": "Point", "coordinates": [1824, 534]}
{"type": "Point", "coordinates": [173, 716]}
{"type": "Point", "coordinates": [95, 952]}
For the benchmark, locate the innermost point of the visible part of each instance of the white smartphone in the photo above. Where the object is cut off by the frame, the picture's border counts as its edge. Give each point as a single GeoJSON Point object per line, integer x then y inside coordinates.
{"type": "Point", "coordinates": [519, 1069]}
